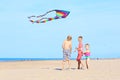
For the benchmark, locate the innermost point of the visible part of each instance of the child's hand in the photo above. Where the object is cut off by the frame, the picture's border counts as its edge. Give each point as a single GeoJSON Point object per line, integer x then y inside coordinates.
{"type": "Point", "coordinates": [63, 50]}
{"type": "Point", "coordinates": [74, 50]}
{"type": "Point", "coordinates": [82, 53]}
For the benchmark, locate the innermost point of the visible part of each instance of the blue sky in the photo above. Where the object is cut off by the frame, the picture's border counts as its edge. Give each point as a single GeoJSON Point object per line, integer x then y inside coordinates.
{"type": "Point", "coordinates": [98, 21]}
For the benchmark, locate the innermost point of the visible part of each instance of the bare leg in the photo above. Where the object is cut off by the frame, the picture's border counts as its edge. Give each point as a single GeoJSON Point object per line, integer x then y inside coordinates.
{"type": "Point", "coordinates": [82, 65]}
{"type": "Point", "coordinates": [79, 62]}
{"type": "Point", "coordinates": [69, 64]}
{"type": "Point", "coordinates": [63, 63]}
{"type": "Point", "coordinates": [87, 63]}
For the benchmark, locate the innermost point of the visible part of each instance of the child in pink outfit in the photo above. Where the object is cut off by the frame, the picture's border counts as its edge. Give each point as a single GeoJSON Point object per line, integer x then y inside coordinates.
{"type": "Point", "coordinates": [87, 54]}
{"type": "Point", "coordinates": [80, 52]}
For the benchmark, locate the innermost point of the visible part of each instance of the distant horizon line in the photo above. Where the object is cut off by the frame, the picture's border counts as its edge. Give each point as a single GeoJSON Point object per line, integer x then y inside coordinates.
{"type": "Point", "coordinates": [45, 59]}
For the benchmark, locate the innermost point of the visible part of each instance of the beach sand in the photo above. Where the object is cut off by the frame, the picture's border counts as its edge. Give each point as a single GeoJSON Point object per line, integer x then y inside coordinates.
{"type": "Point", "coordinates": [51, 70]}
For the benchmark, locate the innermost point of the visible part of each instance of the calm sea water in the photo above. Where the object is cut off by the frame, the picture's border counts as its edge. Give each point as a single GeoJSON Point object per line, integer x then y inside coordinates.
{"type": "Point", "coordinates": [27, 59]}
{"type": "Point", "coordinates": [40, 59]}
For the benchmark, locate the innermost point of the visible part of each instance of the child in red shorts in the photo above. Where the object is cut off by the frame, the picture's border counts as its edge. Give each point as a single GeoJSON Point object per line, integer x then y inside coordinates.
{"type": "Point", "coordinates": [80, 51]}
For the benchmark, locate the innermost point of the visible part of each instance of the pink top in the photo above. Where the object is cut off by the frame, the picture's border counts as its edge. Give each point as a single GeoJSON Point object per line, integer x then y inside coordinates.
{"type": "Point", "coordinates": [80, 46]}
{"type": "Point", "coordinates": [87, 53]}
{"type": "Point", "coordinates": [80, 51]}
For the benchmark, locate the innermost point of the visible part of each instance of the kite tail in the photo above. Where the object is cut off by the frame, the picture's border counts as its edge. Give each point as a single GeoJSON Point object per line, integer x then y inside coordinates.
{"type": "Point", "coordinates": [32, 21]}
{"type": "Point", "coordinates": [44, 20]}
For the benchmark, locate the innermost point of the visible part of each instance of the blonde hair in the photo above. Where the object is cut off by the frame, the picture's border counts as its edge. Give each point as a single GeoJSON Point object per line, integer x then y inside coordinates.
{"type": "Point", "coordinates": [69, 38]}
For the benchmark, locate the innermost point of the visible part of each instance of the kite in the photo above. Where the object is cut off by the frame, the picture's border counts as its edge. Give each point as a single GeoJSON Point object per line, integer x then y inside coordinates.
{"type": "Point", "coordinates": [42, 19]}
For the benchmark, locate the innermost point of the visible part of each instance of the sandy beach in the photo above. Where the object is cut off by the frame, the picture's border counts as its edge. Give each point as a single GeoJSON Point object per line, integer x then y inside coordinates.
{"type": "Point", "coordinates": [51, 70]}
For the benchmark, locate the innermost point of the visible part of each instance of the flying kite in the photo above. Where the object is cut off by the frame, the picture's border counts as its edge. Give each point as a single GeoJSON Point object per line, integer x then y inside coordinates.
{"type": "Point", "coordinates": [42, 19]}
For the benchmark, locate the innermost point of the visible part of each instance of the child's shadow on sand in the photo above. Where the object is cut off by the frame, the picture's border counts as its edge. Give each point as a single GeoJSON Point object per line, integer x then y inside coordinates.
{"type": "Point", "coordinates": [73, 68]}
{"type": "Point", "coordinates": [59, 69]}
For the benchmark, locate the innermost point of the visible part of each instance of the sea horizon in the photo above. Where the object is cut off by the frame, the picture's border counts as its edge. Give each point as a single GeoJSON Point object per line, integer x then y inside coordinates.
{"type": "Point", "coordinates": [45, 59]}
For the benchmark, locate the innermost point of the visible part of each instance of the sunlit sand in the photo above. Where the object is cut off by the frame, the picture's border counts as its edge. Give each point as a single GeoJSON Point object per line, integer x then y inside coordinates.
{"type": "Point", "coordinates": [51, 70]}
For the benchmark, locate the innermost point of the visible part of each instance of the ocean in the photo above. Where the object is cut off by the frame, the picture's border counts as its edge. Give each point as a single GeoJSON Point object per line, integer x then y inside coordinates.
{"type": "Point", "coordinates": [27, 59]}
{"type": "Point", "coordinates": [43, 59]}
